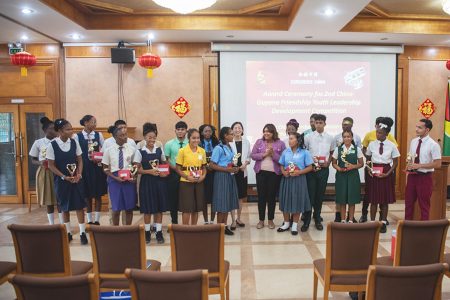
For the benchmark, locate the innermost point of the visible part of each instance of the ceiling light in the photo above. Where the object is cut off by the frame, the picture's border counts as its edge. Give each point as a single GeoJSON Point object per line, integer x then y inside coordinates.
{"type": "Point", "coordinates": [150, 36]}
{"type": "Point", "coordinates": [185, 7]}
{"type": "Point", "coordinates": [27, 11]}
{"type": "Point", "coordinates": [75, 36]}
{"type": "Point", "coordinates": [329, 12]}
{"type": "Point", "coordinates": [24, 38]}
{"type": "Point", "coordinates": [446, 6]}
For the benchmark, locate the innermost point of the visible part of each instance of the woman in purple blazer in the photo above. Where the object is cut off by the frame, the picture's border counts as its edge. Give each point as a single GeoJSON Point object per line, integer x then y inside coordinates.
{"type": "Point", "coordinates": [266, 153]}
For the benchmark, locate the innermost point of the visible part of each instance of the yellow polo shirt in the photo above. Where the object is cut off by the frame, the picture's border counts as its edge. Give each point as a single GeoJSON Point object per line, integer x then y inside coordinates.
{"type": "Point", "coordinates": [186, 158]}
{"type": "Point", "coordinates": [372, 136]}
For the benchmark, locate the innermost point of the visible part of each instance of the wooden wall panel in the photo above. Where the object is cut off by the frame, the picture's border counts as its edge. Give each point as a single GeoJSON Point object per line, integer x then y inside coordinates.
{"type": "Point", "coordinates": [14, 85]}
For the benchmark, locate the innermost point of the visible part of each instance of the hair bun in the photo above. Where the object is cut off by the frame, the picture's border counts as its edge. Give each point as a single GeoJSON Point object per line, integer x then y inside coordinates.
{"type": "Point", "coordinates": [44, 120]}
{"type": "Point", "coordinates": [111, 129]}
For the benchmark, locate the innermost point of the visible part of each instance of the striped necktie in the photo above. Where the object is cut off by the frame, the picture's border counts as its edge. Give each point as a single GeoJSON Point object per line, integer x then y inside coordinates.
{"type": "Point", "coordinates": [121, 157]}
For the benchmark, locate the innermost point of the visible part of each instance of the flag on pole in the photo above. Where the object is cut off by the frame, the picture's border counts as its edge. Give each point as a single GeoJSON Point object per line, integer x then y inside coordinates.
{"type": "Point", "coordinates": [446, 151]}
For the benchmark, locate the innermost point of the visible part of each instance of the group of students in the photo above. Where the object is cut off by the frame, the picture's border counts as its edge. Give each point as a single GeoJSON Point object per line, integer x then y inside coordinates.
{"type": "Point", "coordinates": [197, 168]}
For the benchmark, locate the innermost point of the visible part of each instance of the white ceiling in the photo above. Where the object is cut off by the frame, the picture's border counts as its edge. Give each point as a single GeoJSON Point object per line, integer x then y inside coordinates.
{"type": "Point", "coordinates": [309, 22]}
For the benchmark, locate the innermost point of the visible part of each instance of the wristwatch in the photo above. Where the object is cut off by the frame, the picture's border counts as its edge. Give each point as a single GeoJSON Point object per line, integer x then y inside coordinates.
{"type": "Point", "coordinates": [63, 177]}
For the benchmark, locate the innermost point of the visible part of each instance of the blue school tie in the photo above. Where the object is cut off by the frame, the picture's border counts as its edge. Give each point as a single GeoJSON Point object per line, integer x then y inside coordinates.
{"type": "Point", "coordinates": [121, 157]}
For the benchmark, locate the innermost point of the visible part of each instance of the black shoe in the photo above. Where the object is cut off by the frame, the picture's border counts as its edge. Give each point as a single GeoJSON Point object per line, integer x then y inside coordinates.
{"type": "Point", "coordinates": [294, 232]}
{"type": "Point", "coordinates": [387, 222]}
{"type": "Point", "coordinates": [91, 223]}
{"type": "Point", "coordinates": [159, 237]}
{"type": "Point", "coordinates": [353, 295]}
{"type": "Point", "coordinates": [233, 228]}
{"type": "Point", "coordinates": [69, 235]}
{"type": "Point", "coordinates": [354, 220]}
{"type": "Point", "coordinates": [383, 228]}
{"type": "Point", "coordinates": [96, 223]}
{"type": "Point", "coordinates": [228, 231]}
{"type": "Point", "coordinates": [83, 239]}
{"type": "Point", "coordinates": [153, 228]}
{"type": "Point", "coordinates": [304, 228]}
{"type": "Point", "coordinates": [148, 236]}
{"type": "Point", "coordinates": [337, 217]}
{"type": "Point", "coordinates": [282, 229]}
{"type": "Point", "coordinates": [363, 219]}
{"type": "Point", "coordinates": [319, 225]}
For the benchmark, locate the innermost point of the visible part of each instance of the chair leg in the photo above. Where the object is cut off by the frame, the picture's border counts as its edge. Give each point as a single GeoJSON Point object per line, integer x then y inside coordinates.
{"type": "Point", "coordinates": [222, 291]}
{"type": "Point", "coordinates": [227, 295]}
{"type": "Point", "coordinates": [326, 291]}
{"type": "Point", "coordinates": [315, 287]}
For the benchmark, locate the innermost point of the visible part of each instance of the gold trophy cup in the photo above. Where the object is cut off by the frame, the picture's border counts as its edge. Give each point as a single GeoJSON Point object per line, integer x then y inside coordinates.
{"type": "Point", "coordinates": [291, 167]}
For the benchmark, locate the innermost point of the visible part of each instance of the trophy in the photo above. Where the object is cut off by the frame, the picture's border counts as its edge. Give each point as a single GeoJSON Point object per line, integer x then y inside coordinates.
{"type": "Point", "coordinates": [154, 163]}
{"type": "Point", "coordinates": [291, 167]}
{"type": "Point", "coordinates": [71, 168]}
{"type": "Point", "coordinates": [410, 157]}
{"type": "Point", "coordinates": [316, 164]}
{"type": "Point", "coordinates": [376, 171]}
{"type": "Point", "coordinates": [195, 172]}
{"type": "Point", "coordinates": [344, 158]}
{"type": "Point", "coordinates": [236, 159]}
{"type": "Point", "coordinates": [91, 148]}
{"type": "Point", "coordinates": [133, 170]}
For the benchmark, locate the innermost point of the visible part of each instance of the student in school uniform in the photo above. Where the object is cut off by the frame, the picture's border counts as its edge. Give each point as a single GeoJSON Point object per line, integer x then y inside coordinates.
{"type": "Point", "coordinates": [94, 178]}
{"type": "Point", "coordinates": [118, 160]}
{"type": "Point", "coordinates": [65, 161]}
{"type": "Point", "coordinates": [295, 163]}
{"type": "Point", "coordinates": [384, 154]}
{"type": "Point", "coordinates": [111, 141]}
{"type": "Point", "coordinates": [225, 194]}
{"type": "Point", "coordinates": [312, 121]}
{"type": "Point", "coordinates": [240, 146]}
{"type": "Point", "coordinates": [291, 128]}
{"type": "Point", "coordinates": [153, 185]}
{"type": "Point", "coordinates": [208, 141]}
{"type": "Point", "coordinates": [368, 138]}
{"type": "Point", "coordinates": [426, 156]}
{"type": "Point", "coordinates": [171, 149]}
{"type": "Point", "coordinates": [347, 159]}
{"type": "Point", "coordinates": [321, 145]}
{"type": "Point", "coordinates": [191, 167]}
{"type": "Point", "coordinates": [45, 188]}
{"type": "Point", "coordinates": [266, 152]}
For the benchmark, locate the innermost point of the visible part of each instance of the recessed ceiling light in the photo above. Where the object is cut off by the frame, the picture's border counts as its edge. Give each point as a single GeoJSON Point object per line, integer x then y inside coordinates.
{"type": "Point", "coordinates": [329, 11]}
{"type": "Point", "coordinates": [75, 36]}
{"type": "Point", "coordinates": [308, 37]}
{"type": "Point", "coordinates": [150, 36]}
{"type": "Point", "coordinates": [384, 39]}
{"type": "Point", "coordinates": [230, 36]}
{"type": "Point", "coordinates": [24, 38]}
{"type": "Point", "coordinates": [27, 11]}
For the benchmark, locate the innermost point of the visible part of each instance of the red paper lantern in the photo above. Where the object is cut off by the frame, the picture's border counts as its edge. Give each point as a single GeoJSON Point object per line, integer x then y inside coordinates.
{"type": "Point", "coordinates": [150, 61]}
{"type": "Point", "coordinates": [23, 59]}
{"type": "Point", "coordinates": [448, 65]}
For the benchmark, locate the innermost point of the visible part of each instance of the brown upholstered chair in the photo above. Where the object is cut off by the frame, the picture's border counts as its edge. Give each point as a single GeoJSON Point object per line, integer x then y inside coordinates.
{"type": "Point", "coordinates": [411, 282]}
{"type": "Point", "coordinates": [351, 248]}
{"type": "Point", "coordinates": [202, 247]}
{"type": "Point", "coordinates": [447, 261]}
{"type": "Point", "coordinates": [418, 243]}
{"type": "Point", "coordinates": [186, 285]}
{"type": "Point", "coordinates": [67, 288]}
{"type": "Point", "coordinates": [43, 250]}
{"type": "Point", "coordinates": [115, 249]}
{"type": "Point", "coordinates": [6, 268]}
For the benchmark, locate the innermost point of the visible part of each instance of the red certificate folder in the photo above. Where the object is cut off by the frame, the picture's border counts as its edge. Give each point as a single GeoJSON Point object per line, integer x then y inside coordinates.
{"type": "Point", "coordinates": [377, 171]}
{"type": "Point", "coordinates": [124, 174]}
{"type": "Point", "coordinates": [164, 169]}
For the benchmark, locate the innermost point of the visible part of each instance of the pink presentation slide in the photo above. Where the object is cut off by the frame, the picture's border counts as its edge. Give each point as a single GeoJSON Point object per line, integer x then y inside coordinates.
{"type": "Point", "coordinates": [277, 91]}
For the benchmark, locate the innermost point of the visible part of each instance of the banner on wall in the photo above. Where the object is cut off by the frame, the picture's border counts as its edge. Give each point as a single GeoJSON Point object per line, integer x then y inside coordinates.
{"type": "Point", "coordinates": [446, 151]}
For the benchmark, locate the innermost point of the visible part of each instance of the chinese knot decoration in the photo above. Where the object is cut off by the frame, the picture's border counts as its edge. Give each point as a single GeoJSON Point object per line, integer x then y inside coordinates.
{"type": "Point", "coordinates": [23, 59]}
{"type": "Point", "coordinates": [181, 107]}
{"type": "Point", "coordinates": [427, 108]}
{"type": "Point", "coordinates": [150, 61]}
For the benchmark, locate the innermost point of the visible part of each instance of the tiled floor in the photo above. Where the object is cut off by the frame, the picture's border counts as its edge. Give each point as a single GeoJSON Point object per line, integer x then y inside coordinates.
{"type": "Point", "coordinates": [264, 264]}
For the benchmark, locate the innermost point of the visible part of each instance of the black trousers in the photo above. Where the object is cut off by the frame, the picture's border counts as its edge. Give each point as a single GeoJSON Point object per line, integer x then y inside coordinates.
{"type": "Point", "coordinates": [317, 184]}
{"type": "Point", "coordinates": [267, 184]}
{"type": "Point", "coordinates": [173, 184]}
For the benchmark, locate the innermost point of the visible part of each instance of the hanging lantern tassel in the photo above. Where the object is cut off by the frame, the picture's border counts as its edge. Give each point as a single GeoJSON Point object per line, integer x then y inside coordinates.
{"type": "Point", "coordinates": [150, 61]}
{"type": "Point", "coordinates": [24, 60]}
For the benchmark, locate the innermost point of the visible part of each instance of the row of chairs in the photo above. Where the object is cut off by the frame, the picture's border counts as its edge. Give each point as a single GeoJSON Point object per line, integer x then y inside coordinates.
{"type": "Point", "coordinates": [43, 251]}
{"type": "Point", "coordinates": [351, 261]}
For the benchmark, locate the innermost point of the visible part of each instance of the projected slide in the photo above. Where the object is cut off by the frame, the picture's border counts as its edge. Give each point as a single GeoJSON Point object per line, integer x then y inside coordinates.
{"type": "Point", "coordinates": [277, 91]}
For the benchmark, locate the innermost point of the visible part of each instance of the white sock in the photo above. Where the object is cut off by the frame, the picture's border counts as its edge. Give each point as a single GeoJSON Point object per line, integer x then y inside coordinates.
{"type": "Point", "coordinates": [82, 228]}
{"type": "Point", "coordinates": [147, 227]}
{"type": "Point", "coordinates": [61, 218]}
{"type": "Point", "coordinates": [285, 225]}
{"type": "Point", "coordinates": [158, 226]}
{"type": "Point", "coordinates": [97, 216]}
{"type": "Point", "coordinates": [294, 226]}
{"type": "Point", "coordinates": [342, 221]}
{"type": "Point", "coordinates": [67, 227]}
{"type": "Point", "coordinates": [51, 219]}
{"type": "Point", "coordinates": [89, 217]}
{"type": "Point", "coordinates": [384, 222]}
{"type": "Point", "coordinates": [350, 221]}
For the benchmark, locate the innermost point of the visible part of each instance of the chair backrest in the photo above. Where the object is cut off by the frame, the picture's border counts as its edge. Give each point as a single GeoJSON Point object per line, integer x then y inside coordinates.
{"type": "Point", "coordinates": [41, 250]}
{"type": "Point", "coordinates": [186, 285]}
{"type": "Point", "coordinates": [116, 248]}
{"type": "Point", "coordinates": [67, 288]}
{"type": "Point", "coordinates": [411, 282]}
{"type": "Point", "coordinates": [420, 242]}
{"type": "Point", "coordinates": [351, 248]}
{"type": "Point", "coordinates": [198, 247]}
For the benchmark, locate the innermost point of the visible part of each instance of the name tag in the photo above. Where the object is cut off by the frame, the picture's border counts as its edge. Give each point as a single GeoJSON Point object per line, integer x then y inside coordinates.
{"type": "Point", "coordinates": [200, 157]}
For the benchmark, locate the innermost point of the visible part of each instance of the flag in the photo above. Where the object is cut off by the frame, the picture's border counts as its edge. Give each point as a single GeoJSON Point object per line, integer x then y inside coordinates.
{"type": "Point", "coordinates": [446, 151]}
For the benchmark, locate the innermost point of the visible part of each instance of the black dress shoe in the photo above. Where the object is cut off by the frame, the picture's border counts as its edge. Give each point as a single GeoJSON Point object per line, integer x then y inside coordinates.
{"type": "Point", "coordinates": [282, 229]}
{"type": "Point", "coordinates": [383, 228]}
{"type": "Point", "coordinates": [148, 236]}
{"type": "Point", "coordinates": [96, 223]}
{"type": "Point", "coordinates": [319, 225]}
{"type": "Point", "coordinates": [91, 223]}
{"type": "Point", "coordinates": [159, 237]}
{"type": "Point", "coordinates": [304, 228]}
{"type": "Point", "coordinates": [69, 236]}
{"type": "Point", "coordinates": [83, 239]}
{"type": "Point", "coordinates": [228, 231]}
{"type": "Point", "coordinates": [363, 219]}
{"type": "Point", "coordinates": [294, 232]}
